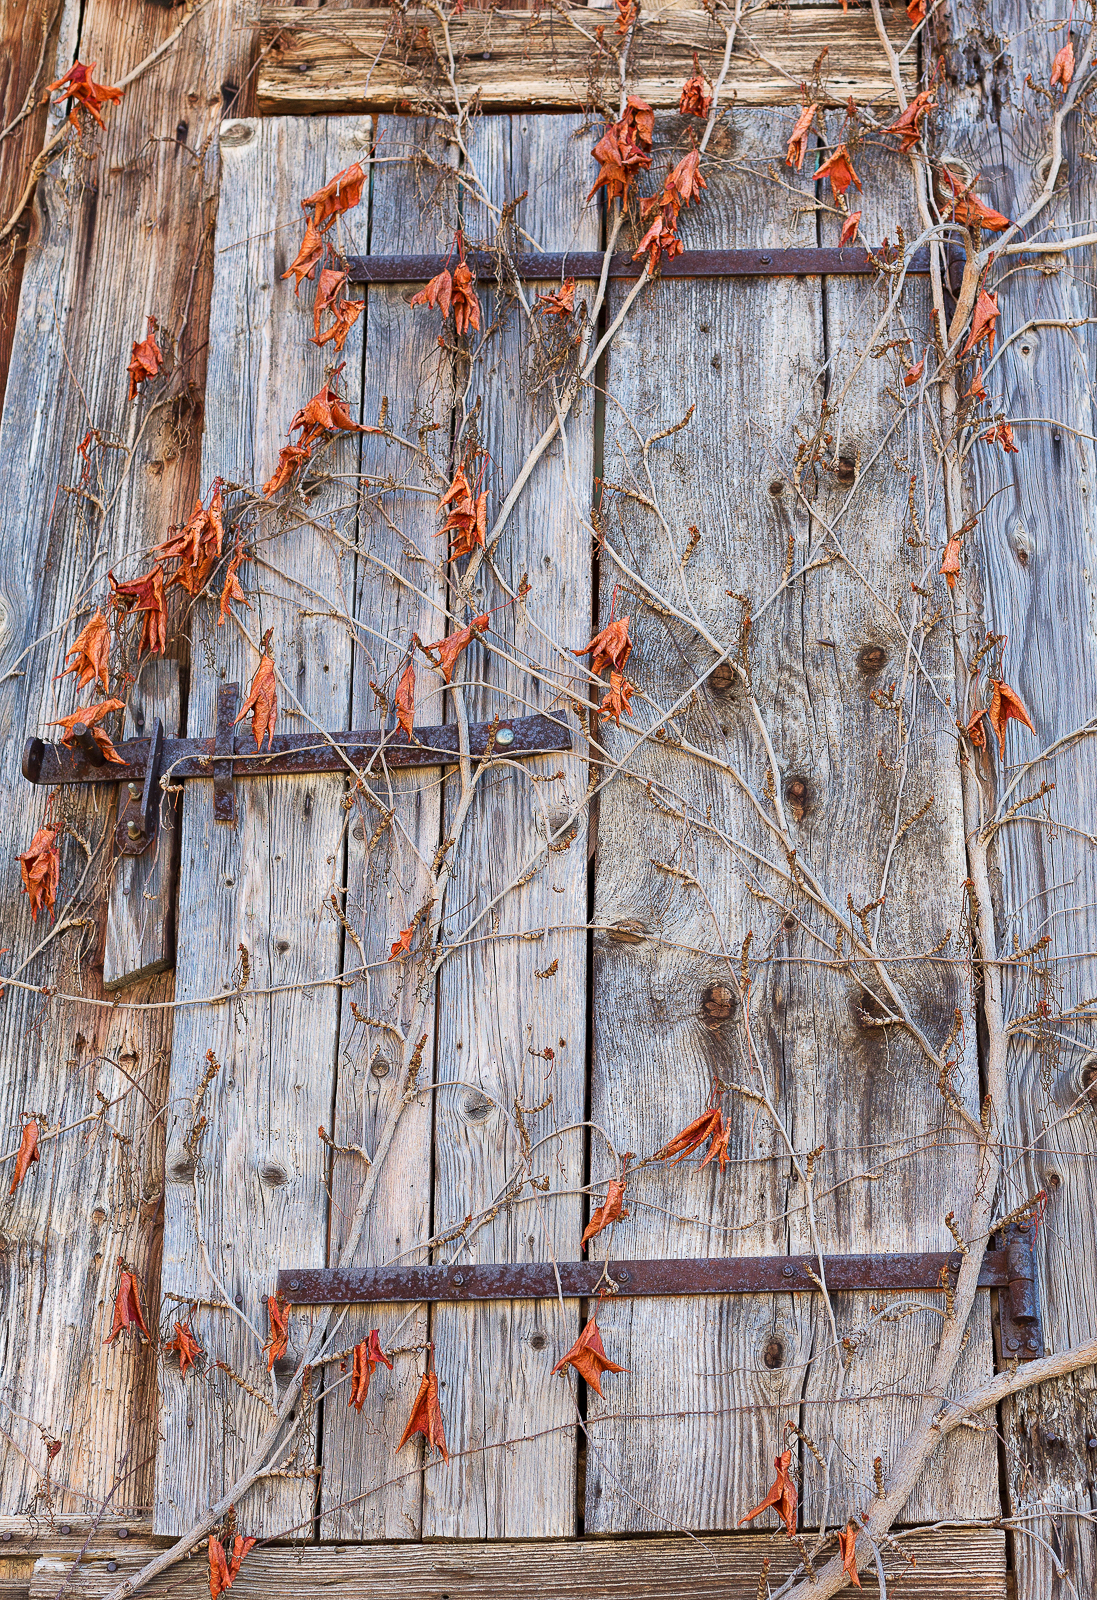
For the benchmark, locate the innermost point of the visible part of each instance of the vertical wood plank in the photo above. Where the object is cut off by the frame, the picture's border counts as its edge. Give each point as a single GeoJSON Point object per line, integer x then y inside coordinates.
{"type": "Point", "coordinates": [496, 1015]}
{"type": "Point", "coordinates": [865, 1094]}
{"type": "Point", "coordinates": [1030, 562]}
{"type": "Point", "coordinates": [400, 590]}
{"type": "Point", "coordinates": [97, 265]}
{"type": "Point", "coordinates": [259, 892]}
{"type": "Point", "coordinates": [699, 1389]}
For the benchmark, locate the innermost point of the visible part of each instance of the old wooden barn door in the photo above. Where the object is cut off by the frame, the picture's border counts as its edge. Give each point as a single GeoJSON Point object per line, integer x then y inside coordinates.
{"type": "Point", "coordinates": [624, 940]}
{"type": "Point", "coordinates": [568, 1155]}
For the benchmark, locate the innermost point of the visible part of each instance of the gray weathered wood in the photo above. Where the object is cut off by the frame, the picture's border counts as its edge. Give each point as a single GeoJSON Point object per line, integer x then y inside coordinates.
{"type": "Point", "coordinates": [91, 276]}
{"type": "Point", "coordinates": [496, 1013]}
{"type": "Point", "coordinates": [656, 950]}
{"type": "Point", "coordinates": [259, 892]}
{"type": "Point", "coordinates": [952, 1565]}
{"type": "Point", "coordinates": [140, 936]}
{"type": "Point", "coordinates": [851, 1091]}
{"type": "Point", "coordinates": [387, 866]}
{"type": "Point", "coordinates": [857, 1086]}
{"type": "Point", "coordinates": [351, 60]}
{"type": "Point", "coordinates": [1030, 563]}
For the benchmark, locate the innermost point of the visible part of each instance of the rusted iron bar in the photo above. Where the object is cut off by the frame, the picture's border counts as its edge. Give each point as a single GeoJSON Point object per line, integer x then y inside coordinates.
{"type": "Point", "coordinates": [792, 263]}
{"type": "Point", "coordinates": [715, 1275]}
{"type": "Point", "coordinates": [233, 751]}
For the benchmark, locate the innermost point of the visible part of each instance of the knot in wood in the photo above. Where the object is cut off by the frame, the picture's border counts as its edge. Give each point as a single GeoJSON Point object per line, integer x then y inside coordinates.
{"type": "Point", "coordinates": [627, 931]}
{"type": "Point", "coordinates": [872, 658]}
{"type": "Point", "coordinates": [717, 1005]}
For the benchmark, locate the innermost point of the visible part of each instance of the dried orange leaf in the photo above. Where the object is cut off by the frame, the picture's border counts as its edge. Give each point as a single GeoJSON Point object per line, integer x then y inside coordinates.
{"type": "Point", "coordinates": [847, 1549]}
{"type": "Point", "coordinates": [1062, 68]}
{"type": "Point", "coordinates": [609, 1211]}
{"type": "Point", "coordinates": [426, 1417]}
{"type": "Point", "coordinates": [145, 361]}
{"type": "Point", "coordinates": [366, 1356]}
{"type": "Point", "coordinates": [850, 226]}
{"type": "Point", "coordinates": [339, 194]}
{"type": "Point", "coordinates": [310, 253]}
{"type": "Point", "coordinates": [145, 594]}
{"type": "Point", "coordinates": [983, 322]}
{"type": "Point", "coordinates": [405, 698]}
{"type": "Point", "coordinates": [90, 716]}
{"type": "Point", "coordinates": [839, 169]}
{"type": "Point", "coordinates": [91, 647]}
{"type": "Point", "coordinates": [262, 702]}
{"type": "Point", "coordinates": [696, 97]}
{"type": "Point", "coordinates": [40, 865]}
{"type": "Point", "coordinates": [707, 1126]}
{"type": "Point", "coordinates": [185, 1346]}
{"type": "Point", "coordinates": [610, 648]}
{"type": "Point", "coordinates": [1005, 705]}
{"type": "Point", "coordinates": [618, 702]}
{"type": "Point", "coordinates": [798, 138]}
{"type": "Point", "coordinates": [127, 1307]}
{"type": "Point", "coordinates": [278, 1339]}
{"type": "Point", "coordinates": [782, 1495]}
{"type": "Point", "coordinates": [79, 85]}
{"type": "Point", "coordinates": [950, 562]}
{"type": "Point", "coordinates": [26, 1154]}
{"type": "Point", "coordinates": [587, 1355]}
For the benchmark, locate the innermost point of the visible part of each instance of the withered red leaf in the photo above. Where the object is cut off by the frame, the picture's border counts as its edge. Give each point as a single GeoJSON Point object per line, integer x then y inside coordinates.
{"type": "Point", "coordinates": [847, 1549]}
{"type": "Point", "coordinates": [609, 1211]}
{"type": "Point", "coordinates": [967, 209]}
{"type": "Point", "coordinates": [79, 85]}
{"type": "Point", "coordinates": [839, 169]}
{"type": "Point", "coordinates": [339, 194]}
{"type": "Point", "coordinates": [196, 546]}
{"type": "Point", "coordinates": [426, 1417]}
{"type": "Point", "coordinates": [40, 865]}
{"type": "Point", "coordinates": [405, 698]}
{"type": "Point", "coordinates": [326, 412]}
{"type": "Point", "coordinates": [983, 321]}
{"type": "Point", "coordinates": [1005, 705]}
{"type": "Point", "coordinates": [466, 307]}
{"type": "Point", "coordinates": [914, 373]}
{"type": "Point", "coordinates": [327, 292]}
{"type": "Point", "coordinates": [467, 518]}
{"type": "Point", "coordinates": [916, 12]}
{"type": "Point", "coordinates": [976, 391]}
{"type": "Point", "coordinates": [223, 1572]}
{"type": "Point", "coordinates": [27, 1153]}
{"type": "Point", "coordinates": [262, 702]}
{"type": "Point", "coordinates": [696, 97]}
{"type": "Point", "coordinates": [1062, 68]}
{"type": "Point", "coordinates": [145, 594]}
{"type": "Point", "coordinates": [685, 180]}
{"type": "Point", "coordinates": [185, 1346]}
{"type": "Point", "coordinates": [910, 125]}
{"type": "Point", "coordinates": [561, 302]}
{"type": "Point", "coordinates": [798, 138]}
{"type": "Point", "coordinates": [719, 1146]}
{"type": "Point", "coordinates": [950, 562]}
{"type": "Point", "coordinates": [1002, 434]}
{"type": "Point", "coordinates": [610, 648]}
{"type": "Point", "coordinates": [367, 1353]}
{"type": "Point", "coordinates": [310, 253]}
{"type": "Point", "coordinates": [403, 943]}
{"type": "Point", "coordinates": [90, 716]}
{"type": "Point", "coordinates": [278, 1338]}
{"type": "Point", "coordinates": [449, 648]}
{"type": "Point", "coordinates": [618, 702]}
{"type": "Point", "coordinates": [623, 150]}
{"type": "Point", "coordinates": [587, 1355]}
{"type": "Point", "coordinates": [707, 1126]}
{"type": "Point", "coordinates": [146, 359]}
{"type": "Point", "coordinates": [975, 730]}
{"type": "Point", "coordinates": [290, 457]}
{"type": "Point", "coordinates": [127, 1306]}
{"type": "Point", "coordinates": [91, 648]}
{"type": "Point", "coordinates": [850, 226]}
{"type": "Point", "coordinates": [232, 589]}
{"type": "Point", "coordinates": [782, 1495]}
{"type": "Point", "coordinates": [437, 293]}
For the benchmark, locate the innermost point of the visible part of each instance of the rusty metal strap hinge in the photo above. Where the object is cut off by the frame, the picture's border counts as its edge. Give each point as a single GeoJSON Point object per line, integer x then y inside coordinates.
{"type": "Point", "coordinates": [791, 263]}
{"type": "Point", "coordinates": [231, 754]}
{"type": "Point", "coordinates": [1009, 1269]}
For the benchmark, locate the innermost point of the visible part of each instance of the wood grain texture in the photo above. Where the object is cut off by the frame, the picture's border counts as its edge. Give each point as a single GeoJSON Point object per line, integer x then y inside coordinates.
{"type": "Point", "coordinates": [496, 1015]}
{"type": "Point", "coordinates": [865, 1094]}
{"type": "Point", "coordinates": [955, 1565]}
{"type": "Point", "coordinates": [843, 1090]}
{"type": "Point", "coordinates": [140, 931]}
{"type": "Point", "coordinates": [400, 590]}
{"type": "Point", "coordinates": [97, 265]}
{"type": "Point", "coordinates": [259, 892]}
{"type": "Point", "coordinates": [360, 60]}
{"type": "Point", "coordinates": [657, 954]}
{"type": "Point", "coordinates": [1031, 562]}
{"type": "Point", "coordinates": [28, 49]}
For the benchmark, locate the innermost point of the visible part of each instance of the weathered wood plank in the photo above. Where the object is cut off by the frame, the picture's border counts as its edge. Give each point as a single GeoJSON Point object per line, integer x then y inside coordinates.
{"type": "Point", "coordinates": [518, 987]}
{"type": "Point", "coordinates": [90, 278]}
{"type": "Point", "coordinates": [361, 60]}
{"type": "Point", "coordinates": [28, 49]}
{"type": "Point", "coordinates": [388, 865]}
{"type": "Point", "coordinates": [140, 933]}
{"type": "Point", "coordinates": [954, 1565]}
{"type": "Point", "coordinates": [254, 908]}
{"type": "Point", "coordinates": [858, 1088]}
{"type": "Point", "coordinates": [1030, 563]}
{"type": "Point", "coordinates": [735, 1368]}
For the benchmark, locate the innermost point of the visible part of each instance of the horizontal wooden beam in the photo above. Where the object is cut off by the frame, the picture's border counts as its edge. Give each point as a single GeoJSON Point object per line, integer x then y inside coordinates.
{"type": "Point", "coordinates": [960, 1564]}
{"type": "Point", "coordinates": [385, 59]}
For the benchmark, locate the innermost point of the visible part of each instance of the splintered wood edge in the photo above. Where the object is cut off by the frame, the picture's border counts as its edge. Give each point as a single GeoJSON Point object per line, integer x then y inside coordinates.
{"type": "Point", "coordinates": [957, 1564]}
{"type": "Point", "coordinates": [332, 61]}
